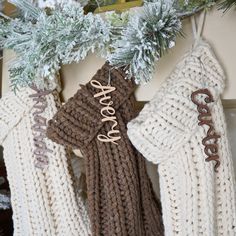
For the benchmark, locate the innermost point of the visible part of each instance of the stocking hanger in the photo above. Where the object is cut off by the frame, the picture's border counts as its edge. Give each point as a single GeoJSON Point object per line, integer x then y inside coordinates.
{"type": "Point", "coordinates": [197, 34]}
{"type": "Point", "coordinates": [197, 29]}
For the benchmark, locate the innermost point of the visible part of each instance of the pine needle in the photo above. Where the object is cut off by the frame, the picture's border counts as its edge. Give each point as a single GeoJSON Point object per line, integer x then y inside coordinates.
{"type": "Point", "coordinates": [226, 5]}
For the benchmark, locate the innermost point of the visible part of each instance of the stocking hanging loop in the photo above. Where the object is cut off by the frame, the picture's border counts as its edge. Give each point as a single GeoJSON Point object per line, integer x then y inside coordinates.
{"type": "Point", "coordinates": [197, 29]}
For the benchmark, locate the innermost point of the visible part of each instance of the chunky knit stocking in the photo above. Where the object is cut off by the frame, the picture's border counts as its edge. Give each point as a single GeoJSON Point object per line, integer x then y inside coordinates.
{"type": "Point", "coordinates": [120, 196]}
{"type": "Point", "coordinates": [183, 130]}
{"type": "Point", "coordinates": [44, 201]}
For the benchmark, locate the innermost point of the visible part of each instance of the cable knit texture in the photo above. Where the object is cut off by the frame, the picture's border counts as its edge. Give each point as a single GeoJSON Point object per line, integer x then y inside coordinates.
{"type": "Point", "coordinates": [43, 201]}
{"type": "Point", "coordinates": [120, 196]}
{"type": "Point", "coordinates": [195, 199]}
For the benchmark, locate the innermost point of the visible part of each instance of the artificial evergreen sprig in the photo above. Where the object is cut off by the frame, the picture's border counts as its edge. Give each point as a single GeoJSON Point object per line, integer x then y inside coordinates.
{"type": "Point", "coordinates": [186, 8]}
{"type": "Point", "coordinates": [64, 36]}
{"type": "Point", "coordinates": [54, 3]}
{"type": "Point", "coordinates": [117, 22]}
{"type": "Point", "coordinates": [148, 35]}
{"type": "Point", "coordinates": [227, 4]}
{"type": "Point", "coordinates": [29, 10]}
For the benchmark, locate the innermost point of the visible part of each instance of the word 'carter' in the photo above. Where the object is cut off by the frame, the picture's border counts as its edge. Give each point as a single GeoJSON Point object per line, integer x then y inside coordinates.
{"type": "Point", "coordinates": [205, 118]}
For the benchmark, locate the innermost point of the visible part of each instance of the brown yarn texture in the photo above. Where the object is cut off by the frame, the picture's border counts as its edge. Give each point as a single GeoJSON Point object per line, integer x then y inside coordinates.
{"type": "Point", "coordinates": [120, 195]}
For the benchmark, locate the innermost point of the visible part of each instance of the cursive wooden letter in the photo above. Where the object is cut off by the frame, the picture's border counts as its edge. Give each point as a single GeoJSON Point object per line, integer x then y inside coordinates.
{"type": "Point", "coordinates": [205, 118]}
{"type": "Point", "coordinates": [107, 112]}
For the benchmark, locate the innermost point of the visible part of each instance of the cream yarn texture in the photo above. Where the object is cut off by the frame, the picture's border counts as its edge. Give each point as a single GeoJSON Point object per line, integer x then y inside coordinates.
{"type": "Point", "coordinates": [44, 202]}
{"type": "Point", "coordinates": [195, 199]}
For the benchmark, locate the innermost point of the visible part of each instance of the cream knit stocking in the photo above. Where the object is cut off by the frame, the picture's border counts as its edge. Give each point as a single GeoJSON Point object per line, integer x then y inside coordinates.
{"type": "Point", "coordinates": [196, 200]}
{"type": "Point", "coordinates": [44, 201]}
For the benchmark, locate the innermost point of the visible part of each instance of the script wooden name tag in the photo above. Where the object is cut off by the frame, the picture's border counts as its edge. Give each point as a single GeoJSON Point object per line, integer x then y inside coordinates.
{"type": "Point", "coordinates": [39, 127]}
{"type": "Point", "coordinates": [107, 112]}
{"type": "Point", "coordinates": [205, 118]}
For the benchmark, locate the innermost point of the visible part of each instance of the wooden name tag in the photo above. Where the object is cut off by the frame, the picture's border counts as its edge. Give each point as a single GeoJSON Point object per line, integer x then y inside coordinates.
{"type": "Point", "coordinates": [205, 118]}
{"type": "Point", "coordinates": [107, 112]}
{"type": "Point", "coordinates": [39, 128]}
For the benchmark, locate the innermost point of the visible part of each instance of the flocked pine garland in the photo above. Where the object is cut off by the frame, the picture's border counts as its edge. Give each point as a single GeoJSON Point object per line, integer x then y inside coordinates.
{"type": "Point", "coordinates": [54, 3]}
{"type": "Point", "coordinates": [147, 36]}
{"type": "Point", "coordinates": [43, 41]}
{"type": "Point", "coordinates": [46, 42]}
{"type": "Point", "coordinates": [187, 8]}
{"type": "Point", "coordinates": [227, 4]}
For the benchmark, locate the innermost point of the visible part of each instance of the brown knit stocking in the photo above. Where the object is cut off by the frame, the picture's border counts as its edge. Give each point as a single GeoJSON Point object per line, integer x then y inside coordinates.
{"type": "Point", "coordinates": [120, 195]}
